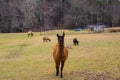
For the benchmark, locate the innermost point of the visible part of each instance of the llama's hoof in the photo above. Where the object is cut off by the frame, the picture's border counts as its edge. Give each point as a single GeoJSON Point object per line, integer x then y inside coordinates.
{"type": "Point", "coordinates": [61, 76]}
{"type": "Point", "coordinates": [57, 74]}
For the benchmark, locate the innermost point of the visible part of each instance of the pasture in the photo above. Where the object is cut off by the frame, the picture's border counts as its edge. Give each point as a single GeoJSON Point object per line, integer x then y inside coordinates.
{"type": "Point", "coordinates": [97, 57]}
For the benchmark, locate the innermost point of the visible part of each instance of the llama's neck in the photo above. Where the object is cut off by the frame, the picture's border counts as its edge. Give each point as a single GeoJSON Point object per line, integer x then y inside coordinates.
{"type": "Point", "coordinates": [61, 47]}
{"type": "Point", "coordinates": [60, 50]}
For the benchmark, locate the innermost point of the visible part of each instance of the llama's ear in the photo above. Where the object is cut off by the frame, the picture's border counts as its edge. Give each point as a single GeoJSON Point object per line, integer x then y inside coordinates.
{"type": "Point", "coordinates": [57, 35]}
{"type": "Point", "coordinates": [63, 34]}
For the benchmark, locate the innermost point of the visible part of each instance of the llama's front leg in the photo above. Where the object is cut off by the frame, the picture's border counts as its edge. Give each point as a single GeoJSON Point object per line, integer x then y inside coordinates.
{"type": "Point", "coordinates": [57, 68]}
{"type": "Point", "coordinates": [62, 65]}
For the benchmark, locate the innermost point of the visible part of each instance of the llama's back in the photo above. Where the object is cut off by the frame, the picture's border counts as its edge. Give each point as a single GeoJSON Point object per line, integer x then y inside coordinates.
{"type": "Point", "coordinates": [29, 32]}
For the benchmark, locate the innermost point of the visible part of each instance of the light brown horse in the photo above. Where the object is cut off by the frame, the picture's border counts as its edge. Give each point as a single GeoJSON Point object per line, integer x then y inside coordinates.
{"type": "Point", "coordinates": [60, 54]}
{"type": "Point", "coordinates": [30, 33]}
{"type": "Point", "coordinates": [45, 39]}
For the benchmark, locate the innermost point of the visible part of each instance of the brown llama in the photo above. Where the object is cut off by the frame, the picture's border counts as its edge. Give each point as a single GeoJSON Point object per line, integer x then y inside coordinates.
{"type": "Point", "coordinates": [45, 39]}
{"type": "Point", "coordinates": [60, 54]}
{"type": "Point", "coordinates": [30, 33]}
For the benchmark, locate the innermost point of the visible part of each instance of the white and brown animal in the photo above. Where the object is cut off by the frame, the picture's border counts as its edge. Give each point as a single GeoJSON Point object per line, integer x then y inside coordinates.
{"type": "Point", "coordinates": [46, 39]}
{"type": "Point", "coordinates": [30, 34]}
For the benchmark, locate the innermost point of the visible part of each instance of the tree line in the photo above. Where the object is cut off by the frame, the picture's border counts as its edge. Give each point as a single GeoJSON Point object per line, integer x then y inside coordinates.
{"type": "Point", "coordinates": [40, 15]}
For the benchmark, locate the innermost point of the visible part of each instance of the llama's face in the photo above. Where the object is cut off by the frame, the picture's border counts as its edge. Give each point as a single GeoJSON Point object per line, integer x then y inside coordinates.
{"type": "Point", "coordinates": [61, 38]}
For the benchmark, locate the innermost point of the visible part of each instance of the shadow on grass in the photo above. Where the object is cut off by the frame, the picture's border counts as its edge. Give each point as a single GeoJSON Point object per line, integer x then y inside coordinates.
{"type": "Point", "coordinates": [22, 45]}
{"type": "Point", "coordinates": [87, 75]}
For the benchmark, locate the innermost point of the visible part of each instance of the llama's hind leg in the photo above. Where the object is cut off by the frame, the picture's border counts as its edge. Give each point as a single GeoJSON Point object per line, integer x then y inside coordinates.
{"type": "Point", "coordinates": [57, 68]}
{"type": "Point", "coordinates": [28, 35]}
{"type": "Point", "coordinates": [62, 65]}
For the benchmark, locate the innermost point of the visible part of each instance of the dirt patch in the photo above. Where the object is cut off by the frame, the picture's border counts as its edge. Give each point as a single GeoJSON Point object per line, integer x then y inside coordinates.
{"type": "Point", "coordinates": [87, 75]}
{"type": "Point", "coordinates": [114, 30]}
{"type": "Point", "coordinates": [1, 43]}
{"type": "Point", "coordinates": [13, 55]}
{"type": "Point", "coordinates": [23, 45]}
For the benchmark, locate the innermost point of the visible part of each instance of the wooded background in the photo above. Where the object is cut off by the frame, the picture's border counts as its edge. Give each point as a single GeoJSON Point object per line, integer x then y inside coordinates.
{"type": "Point", "coordinates": [39, 15]}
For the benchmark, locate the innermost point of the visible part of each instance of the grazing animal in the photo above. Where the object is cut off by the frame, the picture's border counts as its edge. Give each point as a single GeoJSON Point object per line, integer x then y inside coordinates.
{"type": "Point", "coordinates": [45, 39]}
{"type": "Point", "coordinates": [30, 33]}
{"type": "Point", "coordinates": [60, 54]}
{"type": "Point", "coordinates": [75, 41]}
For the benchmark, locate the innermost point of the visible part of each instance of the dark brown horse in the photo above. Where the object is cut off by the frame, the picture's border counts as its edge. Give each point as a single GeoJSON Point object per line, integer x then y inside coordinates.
{"type": "Point", "coordinates": [30, 33]}
{"type": "Point", "coordinates": [45, 39]}
{"type": "Point", "coordinates": [60, 54]}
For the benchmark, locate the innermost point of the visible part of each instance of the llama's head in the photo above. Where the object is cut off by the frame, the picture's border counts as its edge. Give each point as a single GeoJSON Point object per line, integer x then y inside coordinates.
{"type": "Point", "coordinates": [61, 38]}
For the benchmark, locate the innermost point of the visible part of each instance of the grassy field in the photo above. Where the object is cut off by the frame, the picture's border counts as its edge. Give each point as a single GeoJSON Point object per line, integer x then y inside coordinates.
{"type": "Point", "coordinates": [96, 58]}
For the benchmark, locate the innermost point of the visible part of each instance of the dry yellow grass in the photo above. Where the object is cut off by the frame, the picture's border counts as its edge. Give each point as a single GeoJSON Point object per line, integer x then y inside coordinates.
{"type": "Point", "coordinates": [96, 58]}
